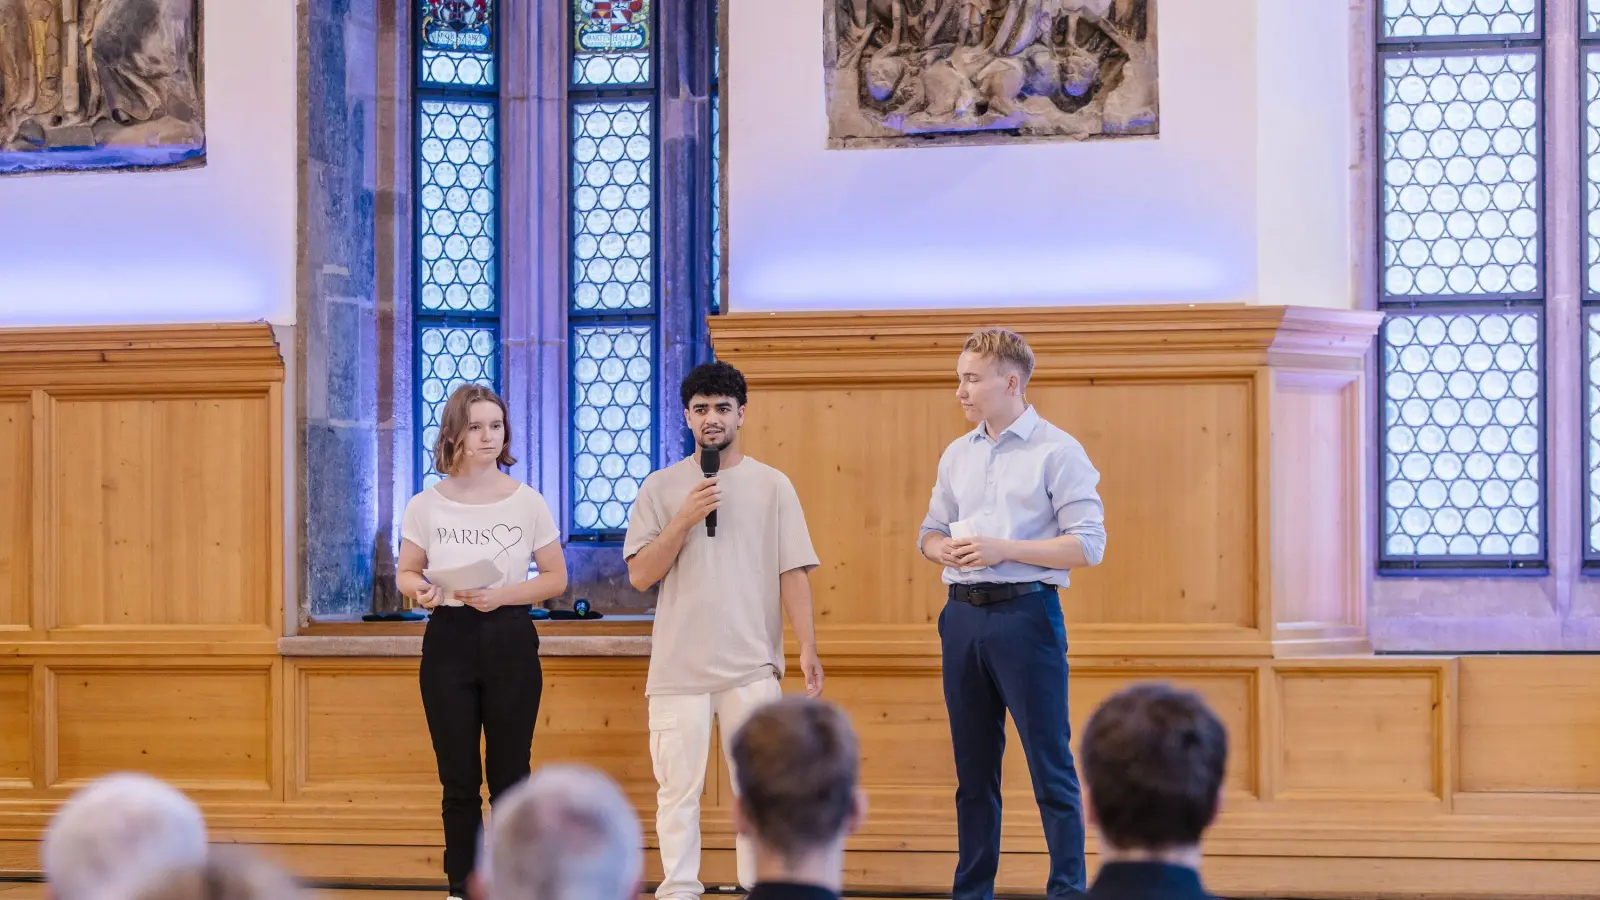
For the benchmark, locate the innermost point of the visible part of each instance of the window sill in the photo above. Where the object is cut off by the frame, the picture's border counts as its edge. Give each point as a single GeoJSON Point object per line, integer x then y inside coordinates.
{"type": "Point", "coordinates": [619, 635]}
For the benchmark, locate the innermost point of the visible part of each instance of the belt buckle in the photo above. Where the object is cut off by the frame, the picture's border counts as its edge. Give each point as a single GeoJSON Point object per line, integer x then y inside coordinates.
{"type": "Point", "coordinates": [978, 596]}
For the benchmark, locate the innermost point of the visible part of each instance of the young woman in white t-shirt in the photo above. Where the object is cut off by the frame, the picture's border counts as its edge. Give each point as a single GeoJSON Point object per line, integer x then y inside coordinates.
{"type": "Point", "coordinates": [480, 653]}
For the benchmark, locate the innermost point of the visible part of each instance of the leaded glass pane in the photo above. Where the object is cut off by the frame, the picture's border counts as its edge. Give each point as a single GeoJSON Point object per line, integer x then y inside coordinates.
{"type": "Point", "coordinates": [1591, 17]}
{"type": "Point", "coordinates": [451, 357]}
{"type": "Point", "coordinates": [1453, 18]}
{"type": "Point", "coordinates": [456, 206]}
{"type": "Point", "coordinates": [1461, 459]}
{"type": "Point", "coordinates": [1591, 184]}
{"type": "Point", "coordinates": [458, 42]}
{"type": "Point", "coordinates": [611, 206]}
{"type": "Point", "coordinates": [1461, 176]}
{"type": "Point", "coordinates": [716, 203]}
{"type": "Point", "coordinates": [1592, 438]}
{"type": "Point", "coordinates": [611, 42]}
{"type": "Point", "coordinates": [613, 424]}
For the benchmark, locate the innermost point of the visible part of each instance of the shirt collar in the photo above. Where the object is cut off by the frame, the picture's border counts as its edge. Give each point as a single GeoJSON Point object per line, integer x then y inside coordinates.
{"type": "Point", "coordinates": [1023, 427]}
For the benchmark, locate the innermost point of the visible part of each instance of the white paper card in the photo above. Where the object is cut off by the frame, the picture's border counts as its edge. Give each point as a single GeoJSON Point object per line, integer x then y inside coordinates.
{"type": "Point", "coordinates": [470, 577]}
{"type": "Point", "coordinates": [961, 531]}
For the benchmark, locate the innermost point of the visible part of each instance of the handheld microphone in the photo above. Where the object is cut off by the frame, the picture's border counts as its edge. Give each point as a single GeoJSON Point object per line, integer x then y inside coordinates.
{"type": "Point", "coordinates": [710, 461]}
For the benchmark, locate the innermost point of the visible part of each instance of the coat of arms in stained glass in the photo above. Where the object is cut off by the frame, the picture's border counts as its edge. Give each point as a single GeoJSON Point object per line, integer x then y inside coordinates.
{"type": "Point", "coordinates": [459, 25]}
{"type": "Point", "coordinates": [612, 26]}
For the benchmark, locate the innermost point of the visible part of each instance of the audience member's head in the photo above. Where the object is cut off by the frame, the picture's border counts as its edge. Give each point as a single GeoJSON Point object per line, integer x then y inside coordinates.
{"type": "Point", "coordinates": [226, 874]}
{"type": "Point", "coordinates": [1153, 758]}
{"type": "Point", "coordinates": [797, 768]}
{"type": "Point", "coordinates": [116, 830]}
{"type": "Point", "coordinates": [566, 833]}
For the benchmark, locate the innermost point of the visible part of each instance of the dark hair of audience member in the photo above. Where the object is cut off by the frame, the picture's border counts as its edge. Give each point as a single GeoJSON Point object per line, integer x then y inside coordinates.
{"type": "Point", "coordinates": [798, 765]}
{"type": "Point", "coordinates": [1153, 760]}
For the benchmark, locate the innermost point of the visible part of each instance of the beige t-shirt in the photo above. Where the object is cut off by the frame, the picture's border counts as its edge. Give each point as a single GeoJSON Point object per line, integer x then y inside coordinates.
{"type": "Point", "coordinates": [719, 621]}
{"type": "Point", "coordinates": [457, 534]}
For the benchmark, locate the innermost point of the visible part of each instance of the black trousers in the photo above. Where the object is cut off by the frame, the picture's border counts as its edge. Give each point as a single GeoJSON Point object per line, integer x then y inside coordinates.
{"type": "Point", "coordinates": [1010, 656]}
{"type": "Point", "coordinates": [480, 675]}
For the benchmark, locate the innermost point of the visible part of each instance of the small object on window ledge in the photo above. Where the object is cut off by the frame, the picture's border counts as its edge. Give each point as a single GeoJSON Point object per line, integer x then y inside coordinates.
{"type": "Point", "coordinates": [580, 610]}
{"type": "Point", "coordinates": [538, 612]}
{"type": "Point", "coordinates": [404, 615]}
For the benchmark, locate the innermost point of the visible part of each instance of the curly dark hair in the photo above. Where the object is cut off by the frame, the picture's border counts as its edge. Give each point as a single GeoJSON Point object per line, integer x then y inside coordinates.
{"type": "Point", "coordinates": [713, 379]}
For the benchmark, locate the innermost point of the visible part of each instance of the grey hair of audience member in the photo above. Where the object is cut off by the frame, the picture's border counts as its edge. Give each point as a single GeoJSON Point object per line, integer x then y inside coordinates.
{"type": "Point", "coordinates": [119, 829]}
{"type": "Point", "coordinates": [228, 873]}
{"type": "Point", "coordinates": [565, 833]}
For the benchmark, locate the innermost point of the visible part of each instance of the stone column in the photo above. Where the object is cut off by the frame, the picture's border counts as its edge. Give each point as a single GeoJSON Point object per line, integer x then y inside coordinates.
{"type": "Point", "coordinates": [337, 348]}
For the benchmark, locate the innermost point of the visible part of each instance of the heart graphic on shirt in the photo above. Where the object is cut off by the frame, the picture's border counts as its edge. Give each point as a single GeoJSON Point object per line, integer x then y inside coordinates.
{"type": "Point", "coordinates": [507, 536]}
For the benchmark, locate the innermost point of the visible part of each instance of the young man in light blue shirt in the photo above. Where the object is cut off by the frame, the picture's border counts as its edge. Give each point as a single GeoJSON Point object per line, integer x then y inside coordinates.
{"type": "Point", "coordinates": [1014, 510]}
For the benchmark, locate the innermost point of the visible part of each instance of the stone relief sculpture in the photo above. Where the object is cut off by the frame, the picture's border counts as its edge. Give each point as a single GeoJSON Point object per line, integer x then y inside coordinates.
{"type": "Point", "coordinates": [93, 84]}
{"type": "Point", "coordinates": [914, 72]}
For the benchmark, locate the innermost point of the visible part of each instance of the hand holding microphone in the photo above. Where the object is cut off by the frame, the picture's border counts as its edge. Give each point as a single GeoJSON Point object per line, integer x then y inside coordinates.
{"type": "Point", "coordinates": [701, 504]}
{"type": "Point", "coordinates": [710, 463]}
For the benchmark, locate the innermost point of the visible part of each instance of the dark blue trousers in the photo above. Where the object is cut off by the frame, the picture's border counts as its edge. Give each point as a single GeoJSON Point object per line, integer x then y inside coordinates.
{"type": "Point", "coordinates": [1010, 655]}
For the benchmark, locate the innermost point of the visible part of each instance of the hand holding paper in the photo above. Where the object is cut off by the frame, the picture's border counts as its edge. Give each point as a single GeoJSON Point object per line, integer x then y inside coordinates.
{"type": "Point", "coordinates": [973, 551]}
{"type": "Point", "coordinates": [482, 573]}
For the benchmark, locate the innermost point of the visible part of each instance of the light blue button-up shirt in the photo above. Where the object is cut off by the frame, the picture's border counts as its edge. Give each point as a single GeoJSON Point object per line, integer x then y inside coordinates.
{"type": "Point", "coordinates": [1033, 483]}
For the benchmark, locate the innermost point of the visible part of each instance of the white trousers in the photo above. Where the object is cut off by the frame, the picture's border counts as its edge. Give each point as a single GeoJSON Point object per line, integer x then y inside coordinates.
{"type": "Point", "coordinates": [680, 739]}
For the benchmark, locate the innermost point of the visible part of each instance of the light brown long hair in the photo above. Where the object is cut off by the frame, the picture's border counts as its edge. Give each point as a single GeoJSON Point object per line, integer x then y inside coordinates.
{"type": "Point", "coordinates": [453, 422]}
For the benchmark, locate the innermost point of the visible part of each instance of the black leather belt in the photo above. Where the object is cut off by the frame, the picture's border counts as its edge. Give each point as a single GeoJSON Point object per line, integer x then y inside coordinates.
{"type": "Point", "coordinates": [985, 594]}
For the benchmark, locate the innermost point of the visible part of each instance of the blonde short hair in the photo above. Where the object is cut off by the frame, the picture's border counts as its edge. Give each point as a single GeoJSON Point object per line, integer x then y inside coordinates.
{"type": "Point", "coordinates": [1005, 347]}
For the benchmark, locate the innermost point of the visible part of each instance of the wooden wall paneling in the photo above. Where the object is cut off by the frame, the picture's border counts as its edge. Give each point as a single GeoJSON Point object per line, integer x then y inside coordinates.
{"type": "Point", "coordinates": [1374, 732]}
{"type": "Point", "coordinates": [832, 445]}
{"type": "Point", "coordinates": [16, 512]}
{"type": "Point", "coordinates": [155, 463]}
{"type": "Point", "coordinates": [1174, 406]}
{"type": "Point", "coordinates": [594, 712]}
{"type": "Point", "coordinates": [357, 732]}
{"type": "Point", "coordinates": [207, 724]}
{"type": "Point", "coordinates": [1317, 460]}
{"type": "Point", "coordinates": [162, 510]}
{"type": "Point", "coordinates": [1177, 478]}
{"type": "Point", "coordinates": [41, 534]}
{"type": "Point", "coordinates": [16, 727]}
{"type": "Point", "coordinates": [1530, 724]}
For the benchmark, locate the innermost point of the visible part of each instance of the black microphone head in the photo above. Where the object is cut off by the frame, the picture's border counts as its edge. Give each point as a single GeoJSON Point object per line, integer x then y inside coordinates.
{"type": "Point", "coordinates": [710, 460]}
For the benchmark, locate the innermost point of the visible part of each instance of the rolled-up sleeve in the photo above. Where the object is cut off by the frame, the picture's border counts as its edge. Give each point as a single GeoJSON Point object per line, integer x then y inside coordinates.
{"type": "Point", "coordinates": [1073, 483]}
{"type": "Point", "coordinates": [941, 506]}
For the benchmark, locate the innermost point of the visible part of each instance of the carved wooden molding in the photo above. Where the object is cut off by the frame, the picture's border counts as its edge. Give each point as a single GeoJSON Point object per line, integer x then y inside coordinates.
{"type": "Point", "coordinates": [116, 356]}
{"type": "Point", "coordinates": [919, 345]}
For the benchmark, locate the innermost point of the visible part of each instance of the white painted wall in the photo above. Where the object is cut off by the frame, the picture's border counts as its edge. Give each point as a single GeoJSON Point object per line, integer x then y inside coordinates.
{"type": "Point", "coordinates": [1305, 145]}
{"type": "Point", "coordinates": [211, 244]}
{"type": "Point", "coordinates": [1243, 197]}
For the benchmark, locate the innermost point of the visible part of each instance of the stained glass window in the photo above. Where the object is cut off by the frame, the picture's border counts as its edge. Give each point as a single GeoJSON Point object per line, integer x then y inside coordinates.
{"type": "Point", "coordinates": [1462, 277]}
{"type": "Point", "coordinates": [1461, 176]}
{"type": "Point", "coordinates": [716, 180]}
{"type": "Point", "coordinates": [611, 42]}
{"type": "Point", "coordinates": [1591, 292]}
{"type": "Point", "coordinates": [1448, 19]}
{"type": "Point", "coordinates": [457, 38]}
{"type": "Point", "coordinates": [612, 212]}
{"type": "Point", "coordinates": [613, 378]}
{"type": "Point", "coordinates": [456, 306]}
{"type": "Point", "coordinates": [1461, 456]}
{"type": "Point", "coordinates": [614, 312]}
{"type": "Point", "coordinates": [451, 357]}
{"type": "Point", "coordinates": [457, 208]}
{"type": "Point", "coordinates": [1591, 431]}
